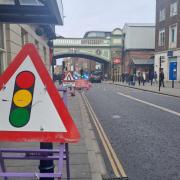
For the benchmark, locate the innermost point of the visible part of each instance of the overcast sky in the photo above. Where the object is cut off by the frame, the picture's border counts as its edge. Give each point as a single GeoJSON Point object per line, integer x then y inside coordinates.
{"type": "Point", "coordinates": [103, 15]}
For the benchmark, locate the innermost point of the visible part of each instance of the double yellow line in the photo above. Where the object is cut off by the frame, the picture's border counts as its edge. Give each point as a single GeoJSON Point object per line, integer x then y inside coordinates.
{"type": "Point", "coordinates": [114, 161]}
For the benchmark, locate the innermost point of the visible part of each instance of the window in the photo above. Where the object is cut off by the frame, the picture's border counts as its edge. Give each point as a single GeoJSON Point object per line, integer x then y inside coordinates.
{"type": "Point", "coordinates": [1, 37]}
{"type": "Point", "coordinates": [36, 44]}
{"type": "Point", "coordinates": [162, 37]}
{"type": "Point", "coordinates": [173, 9]}
{"type": "Point", "coordinates": [1, 49]}
{"type": "Point", "coordinates": [24, 37]}
{"type": "Point", "coordinates": [1, 63]}
{"type": "Point", "coordinates": [45, 54]}
{"type": "Point", "coordinates": [172, 36]}
{"type": "Point", "coordinates": [162, 14]}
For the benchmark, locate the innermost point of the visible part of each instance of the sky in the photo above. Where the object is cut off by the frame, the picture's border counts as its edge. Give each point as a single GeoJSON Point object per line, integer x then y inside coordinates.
{"type": "Point", "coordinates": [103, 15]}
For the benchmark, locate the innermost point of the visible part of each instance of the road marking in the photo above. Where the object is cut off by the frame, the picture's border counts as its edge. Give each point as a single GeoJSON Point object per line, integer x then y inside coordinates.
{"type": "Point", "coordinates": [150, 104]}
{"type": "Point", "coordinates": [116, 117]}
{"type": "Point", "coordinates": [114, 161]}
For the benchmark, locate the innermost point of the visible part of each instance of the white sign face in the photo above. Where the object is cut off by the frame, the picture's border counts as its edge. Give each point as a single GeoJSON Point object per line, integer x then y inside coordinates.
{"type": "Point", "coordinates": [42, 117]}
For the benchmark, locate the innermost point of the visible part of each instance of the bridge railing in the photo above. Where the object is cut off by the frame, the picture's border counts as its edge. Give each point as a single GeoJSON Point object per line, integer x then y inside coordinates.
{"type": "Point", "coordinates": [80, 42]}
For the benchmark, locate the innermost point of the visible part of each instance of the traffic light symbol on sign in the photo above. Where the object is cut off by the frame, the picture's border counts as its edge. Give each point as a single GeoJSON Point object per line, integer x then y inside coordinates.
{"type": "Point", "coordinates": [22, 99]}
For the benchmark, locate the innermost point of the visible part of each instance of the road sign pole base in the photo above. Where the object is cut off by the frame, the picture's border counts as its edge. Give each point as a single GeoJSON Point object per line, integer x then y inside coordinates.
{"type": "Point", "coordinates": [46, 166]}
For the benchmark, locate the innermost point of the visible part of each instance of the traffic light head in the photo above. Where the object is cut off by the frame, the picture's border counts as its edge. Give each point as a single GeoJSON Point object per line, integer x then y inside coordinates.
{"type": "Point", "coordinates": [22, 99]}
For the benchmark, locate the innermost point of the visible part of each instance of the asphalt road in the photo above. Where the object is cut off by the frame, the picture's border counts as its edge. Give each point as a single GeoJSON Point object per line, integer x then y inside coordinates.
{"type": "Point", "coordinates": [146, 137]}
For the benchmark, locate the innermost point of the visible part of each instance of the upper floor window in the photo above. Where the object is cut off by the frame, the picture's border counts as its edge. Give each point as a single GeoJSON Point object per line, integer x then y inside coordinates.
{"type": "Point", "coordinates": [172, 36]}
{"type": "Point", "coordinates": [162, 37]}
{"type": "Point", "coordinates": [36, 44]}
{"type": "Point", "coordinates": [162, 14]}
{"type": "Point", "coordinates": [173, 9]}
{"type": "Point", "coordinates": [2, 63]}
{"type": "Point", "coordinates": [24, 37]}
{"type": "Point", "coordinates": [1, 37]}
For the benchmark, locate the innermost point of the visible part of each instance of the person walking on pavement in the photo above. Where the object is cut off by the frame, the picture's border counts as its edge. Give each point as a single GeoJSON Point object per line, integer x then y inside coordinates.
{"type": "Point", "coordinates": [161, 76]}
{"type": "Point", "coordinates": [155, 77]}
{"type": "Point", "coordinates": [151, 77]}
{"type": "Point", "coordinates": [139, 78]}
{"type": "Point", "coordinates": [143, 76]}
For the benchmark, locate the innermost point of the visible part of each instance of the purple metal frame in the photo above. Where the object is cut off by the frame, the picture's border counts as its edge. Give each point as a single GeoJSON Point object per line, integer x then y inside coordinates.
{"type": "Point", "coordinates": [60, 154]}
{"type": "Point", "coordinates": [32, 154]}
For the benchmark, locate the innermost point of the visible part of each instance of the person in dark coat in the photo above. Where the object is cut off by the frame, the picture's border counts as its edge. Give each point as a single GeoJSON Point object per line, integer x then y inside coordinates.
{"type": "Point", "coordinates": [161, 76]}
{"type": "Point", "coordinates": [139, 78]}
{"type": "Point", "coordinates": [151, 77]}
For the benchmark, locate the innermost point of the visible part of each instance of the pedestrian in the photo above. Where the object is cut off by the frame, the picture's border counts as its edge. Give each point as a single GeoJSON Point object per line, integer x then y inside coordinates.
{"type": "Point", "coordinates": [151, 77]}
{"type": "Point", "coordinates": [139, 78]}
{"type": "Point", "coordinates": [161, 76]}
{"type": "Point", "coordinates": [155, 77]}
{"type": "Point", "coordinates": [143, 77]}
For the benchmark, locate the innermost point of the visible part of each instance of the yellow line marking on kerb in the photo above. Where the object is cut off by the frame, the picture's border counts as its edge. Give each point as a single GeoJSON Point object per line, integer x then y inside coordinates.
{"type": "Point", "coordinates": [150, 104]}
{"type": "Point", "coordinates": [114, 161]}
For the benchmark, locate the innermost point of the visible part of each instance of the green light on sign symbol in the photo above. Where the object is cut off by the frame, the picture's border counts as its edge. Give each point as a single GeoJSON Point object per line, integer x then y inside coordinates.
{"type": "Point", "coordinates": [19, 117]}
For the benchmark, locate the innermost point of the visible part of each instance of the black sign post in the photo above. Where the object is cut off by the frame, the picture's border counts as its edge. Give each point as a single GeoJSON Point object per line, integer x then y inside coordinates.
{"type": "Point", "coordinates": [160, 73]}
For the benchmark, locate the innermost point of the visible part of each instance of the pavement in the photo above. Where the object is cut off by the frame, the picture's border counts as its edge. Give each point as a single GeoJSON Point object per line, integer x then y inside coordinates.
{"type": "Point", "coordinates": [167, 90]}
{"type": "Point", "coordinates": [86, 161]}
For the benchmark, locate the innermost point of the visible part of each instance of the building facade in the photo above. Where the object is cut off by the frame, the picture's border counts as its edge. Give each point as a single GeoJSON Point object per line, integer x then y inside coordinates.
{"type": "Point", "coordinates": [76, 64]}
{"type": "Point", "coordinates": [34, 26]}
{"type": "Point", "coordinates": [139, 45]}
{"type": "Point", "coordinates": [167, 43]}
{"type": "Point", "coordinates": [14, 36]}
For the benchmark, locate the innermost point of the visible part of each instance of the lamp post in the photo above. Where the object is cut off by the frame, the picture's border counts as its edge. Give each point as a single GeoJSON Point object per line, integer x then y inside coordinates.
{"type": "Point", "coordinates": [160, 72]}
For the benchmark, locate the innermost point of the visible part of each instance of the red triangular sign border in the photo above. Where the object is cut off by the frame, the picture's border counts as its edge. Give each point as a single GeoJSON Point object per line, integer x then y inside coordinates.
{"type": "Point", "coordinates": [72, 135]}
{"type": "Point", "coordinates": [69, 74]}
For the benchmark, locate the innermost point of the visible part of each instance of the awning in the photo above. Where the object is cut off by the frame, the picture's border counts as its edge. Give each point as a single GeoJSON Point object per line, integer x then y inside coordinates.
{"type": "Point", "coordinates": [31, 11]}
{"type": "Point", "coordinates": [142, 62]}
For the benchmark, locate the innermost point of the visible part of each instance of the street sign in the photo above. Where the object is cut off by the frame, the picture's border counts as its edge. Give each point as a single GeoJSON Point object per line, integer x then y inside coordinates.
{"type": "Point", "coordinates": [170, 53]}
{"type": "Point", "coordinates": [173, 70]}
{"type": "Point", "coordinates": [68, 81]}
{"type": "Point", "coordinates": [31, 109]}
{"type": "Point", "coordinates": [116, 60]}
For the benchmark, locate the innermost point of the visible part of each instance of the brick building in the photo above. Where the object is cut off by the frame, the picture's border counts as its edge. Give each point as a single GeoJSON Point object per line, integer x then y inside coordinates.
{"type": "Point", "coordinates": [167, 42]}
{"type": "Point", "coordinates": [138, 55]}
{"type": "Point", "coordinates": [75, 64]}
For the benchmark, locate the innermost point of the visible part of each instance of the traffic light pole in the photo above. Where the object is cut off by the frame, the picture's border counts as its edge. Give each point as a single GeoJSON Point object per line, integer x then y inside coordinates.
{"type": "Point", "coordinates": [113, 71]}
{"type": "Point", "coordinates": [160, 73]}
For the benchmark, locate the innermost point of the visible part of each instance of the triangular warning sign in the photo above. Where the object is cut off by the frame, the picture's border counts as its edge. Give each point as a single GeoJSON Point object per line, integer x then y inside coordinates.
{"type": "Point", "coordinates": [31, 108]}
{"type": "Point", "coordinates": [68, 77]}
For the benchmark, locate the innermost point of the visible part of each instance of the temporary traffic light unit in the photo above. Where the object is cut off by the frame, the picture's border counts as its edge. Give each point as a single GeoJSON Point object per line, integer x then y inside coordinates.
{"type": "Point", "coordinates": [31, 108]}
